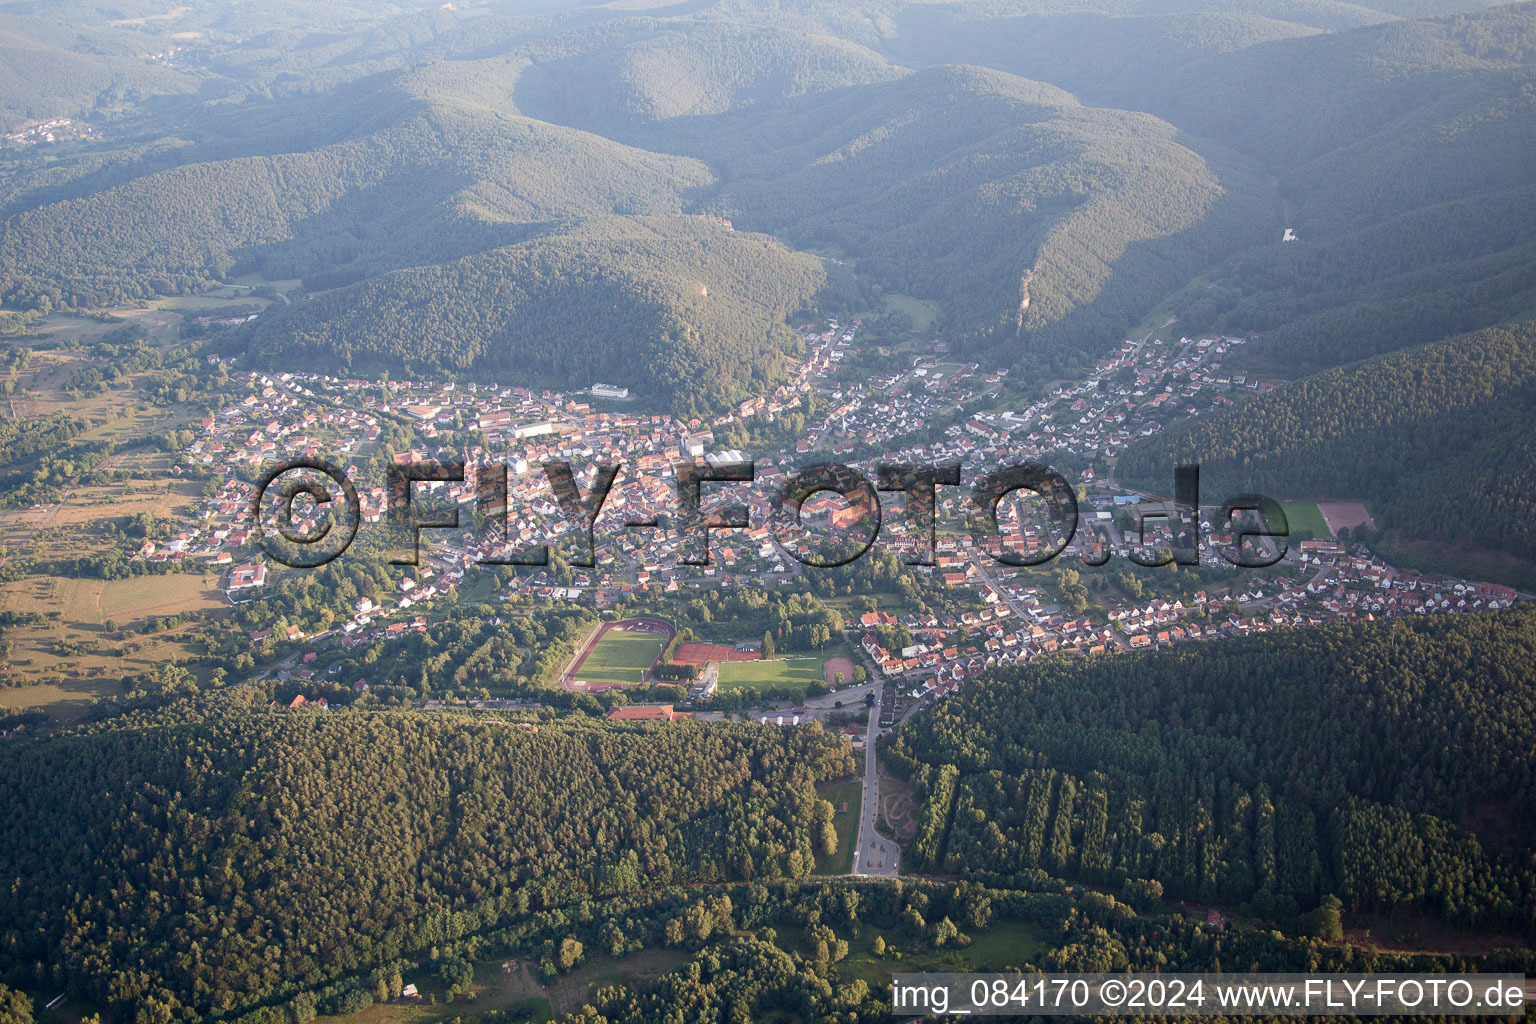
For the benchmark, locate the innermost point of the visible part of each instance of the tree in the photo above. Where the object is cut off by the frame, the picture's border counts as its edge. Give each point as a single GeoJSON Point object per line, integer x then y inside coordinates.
{"type": "Point", "coordinates": [15, 1007]}
{"type": "Point", "coordinates": [767, 644]}
{"type": "Point", "coordinates": [878, 946]}
{"type": "Point", "coordinates": [944, 933]}
{"type": "Point", "coordinates": [302, 1008]}
{"type": "Point", "coordinates": [828, 838]}
{"type": "Point", "coordinates": [1327, 921]}
{"type": "Point", "coordinates": [570, 953]}
{"type": "Point", "coordinates": [457, 975]}
{"type": "Point", "coordinates": [1142, 893]}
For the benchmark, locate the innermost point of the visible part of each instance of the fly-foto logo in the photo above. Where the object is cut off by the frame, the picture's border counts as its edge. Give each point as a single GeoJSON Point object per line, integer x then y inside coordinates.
{"type": "Point", "coordinates": [1245, 518]}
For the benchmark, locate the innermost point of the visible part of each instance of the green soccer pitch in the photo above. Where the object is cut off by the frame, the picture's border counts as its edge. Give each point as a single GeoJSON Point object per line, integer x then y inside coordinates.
{"type": "Point", "coordinates": [621, 657]}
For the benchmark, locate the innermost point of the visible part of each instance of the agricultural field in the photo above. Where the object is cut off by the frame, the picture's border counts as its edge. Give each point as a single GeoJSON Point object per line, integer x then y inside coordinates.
{"type": "Point", "coordinates": [70, 527]}
{"type": "Point", "coordinates": [621, 657]}
{"type": "Point", "coordinates": [923, 312]}
{"type": "Point", "coordinates": [82, 634]}
{"type": "Point", "coordinates": [122, 602]}
{"type": "Point", "coordinates": [796, 670]}
{"type": "Point", "coordinates": [82, 649]}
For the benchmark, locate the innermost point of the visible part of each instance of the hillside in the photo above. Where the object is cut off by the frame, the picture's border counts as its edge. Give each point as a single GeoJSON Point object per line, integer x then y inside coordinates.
{"type": "Point", "coordinates": [1044, 227]}
{"type": "Point", "coordinates": [50, 69]}
{"type": "Point", "coordinates": [686, 312]}
{"type": "Point", "coordinates": [1437, 440]}
{"type": "Point", "coordinates": [1413, 202]}
{"type": "Point", "coordinates": [439, 183]}
{"type": "Point", "coordinates": [241, 856]}
{"type": "Point", "coordinates": [1105, 58]}
{"type": "Point", "coordinates": [607, 79]}
{"type": "Point", "coordinates": [1387, 763]}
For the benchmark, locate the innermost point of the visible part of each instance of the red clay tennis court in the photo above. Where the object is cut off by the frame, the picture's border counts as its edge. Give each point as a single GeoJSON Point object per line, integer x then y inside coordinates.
{"type": "Point", "coordinates": [698, 654]}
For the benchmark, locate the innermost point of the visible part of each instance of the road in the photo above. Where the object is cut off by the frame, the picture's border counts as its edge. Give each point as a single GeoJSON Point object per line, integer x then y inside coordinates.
{"type": "Point", "coordinates": [850, 696]}
{"type": "Point", "coordinates": [875, 855]}
{"type": "Point", "coordinates": [1020, 613]}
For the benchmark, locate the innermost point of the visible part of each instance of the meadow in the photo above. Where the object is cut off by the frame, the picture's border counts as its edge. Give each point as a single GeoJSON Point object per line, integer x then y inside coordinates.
{"type": "Point", "coordinates": [798, 670]}
{"type": "Point", "coordinates": [846, 825]}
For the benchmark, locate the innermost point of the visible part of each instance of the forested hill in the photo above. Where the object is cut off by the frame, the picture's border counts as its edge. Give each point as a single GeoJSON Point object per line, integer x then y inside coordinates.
{"type": "Point", "coordinates": [1437, 439]}
{"type": "Point", "coordinates": [51, 68]}
{"type": "Point", "coordinates": [363, 144]}
{"type": "Point", "coordinates": [1043, 227]}
{"type": "Point", "coordinates": [1106, 58]}
{"type": "Point", "coordinates": [652, 69]}
{"type": "Point", "coordinates": [689, 314]}
{"type": "Point", "coordinates": [1414, 201]}
{"type": "Point", "coordinates": [435, 183]}
{"type": "Point", "coordinates": [1396, 148]}
{"type": "Point", "coordinates": [1388, 763]}
{"type": "Point", "coordinates": [213, 866]}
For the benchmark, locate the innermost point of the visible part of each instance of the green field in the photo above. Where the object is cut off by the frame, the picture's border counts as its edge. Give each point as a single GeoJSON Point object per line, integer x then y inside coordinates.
{"type": "Point", "coordinates": [1003, 943]}
{"type": "Point", "coordinates": [799, 670]}
{"type": "Point", "coordinates": [512, 986]}
{"type": "Point", "coordinates": [846, 824]}
{"type": "Point", "coordinates": [1304, 516]}
{"type": "Point", "coordinates": [922, 312]}
{"type": "Point", "coordinates": [622, 657]}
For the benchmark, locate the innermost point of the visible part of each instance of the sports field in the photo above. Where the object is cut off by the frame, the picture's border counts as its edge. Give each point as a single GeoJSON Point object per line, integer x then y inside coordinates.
{"type": "Point", "coordinates": [796, 671]}
{"type": "Point", "coordinates": [621, 657]}
{"type": "Point", "coordinates": [1304, 515]}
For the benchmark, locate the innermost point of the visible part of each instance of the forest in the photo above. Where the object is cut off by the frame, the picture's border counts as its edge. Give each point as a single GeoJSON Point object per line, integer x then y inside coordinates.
{"type": "Point", "coordinates": [1384, 763]}
{"type": "Point", "coordinates": [1436, 439]}
{"type": "Point", "coordinates": [1042, 226]}
{"type": "Point", "coordinates": [686, 313]}
{"type": "Point", "coordinates": [449, 165]}
{"type": "Point", "coordinates": [821, 951]}
{"type": "Point", "coordinates": [214, 863]}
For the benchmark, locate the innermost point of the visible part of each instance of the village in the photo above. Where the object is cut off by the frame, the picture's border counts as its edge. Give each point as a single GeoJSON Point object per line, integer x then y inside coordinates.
{"type": "Point", "coordinates": [933, 411]}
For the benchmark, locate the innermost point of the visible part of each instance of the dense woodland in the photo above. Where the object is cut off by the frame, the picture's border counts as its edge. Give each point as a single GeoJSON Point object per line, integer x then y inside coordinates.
{"type": "Point", "coordinates": [681, 310]}
{"type": "Point", "coordinates": [1436, 439]}
{"type": "Point", "coordinates": [429, 184]}
{"type": "Point", "coordinates": [1387, 763]}
{"type": "Point", "coordinates": [49, 68]}
{"type": "Point", "coordinates": [216, 863]}
{"type": "Point", "coordinates": [451, 166]}
{"type": "Point", "coordinates": [980, 190]}
{"type": "Point", "coordinates": [774, 971]}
